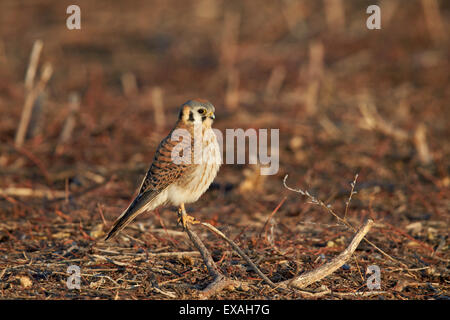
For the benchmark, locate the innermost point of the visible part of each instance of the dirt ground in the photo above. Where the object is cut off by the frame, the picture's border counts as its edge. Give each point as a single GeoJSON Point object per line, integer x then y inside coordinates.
{"type": "Point", "coordinates": [346, 100]}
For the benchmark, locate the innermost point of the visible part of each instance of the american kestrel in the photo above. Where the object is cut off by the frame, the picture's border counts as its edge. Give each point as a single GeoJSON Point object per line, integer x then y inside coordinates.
{"type": "Point", "coordinates": [184, 165]}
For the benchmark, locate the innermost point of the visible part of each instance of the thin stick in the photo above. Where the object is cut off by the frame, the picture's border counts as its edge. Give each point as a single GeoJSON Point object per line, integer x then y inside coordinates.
{"type": "Point", "coordinates": [359, 271]}
{"type": "Point", "coordinates": [207, 258]}
{"type": "Point", "coordinates": [69, 124]}
{"type": "Point", "coordinates": [316, 58]}
{"type": "Point", "coordinates": [352, 192]}
{"type": "Point", "coordinates": [220, 281]}
{"type": "Point", "coordinates": [35, 193]}
{"type": "Point", "coordinates": [373, 121]}
{"type": "Point", "coordinates": [312, 94]}
{"type": "Point", "coordinates": [344, 222]}
{"type": "Point", "coordinates": [101, 214]}
{"type": "Point", "coordinates": [325, 270]}
{"type": "Point", "coordinates": [420, 141]}
{"type": "Point", "coordinates": [359, 294]}
{"type": "Point", "coordinates": [335, 14]}
{"type": "Point", "coordinates": [293, 13]}
{"type": "Point", "coordinates": [29, 102]}
{"type": "Point", "coordinates": [36, 124]}
{"type": "Point", "coordinates": [129, 84]}
{"type": "Point", "coordinates": [271, 215]}
{"type": "Point", "coordinates": [32, 65]}
{"type": "Point", "coordinates": [434, 21]}
{"type": "Point", "coordinates": [388, 7]}
{"type": "Point", "coordinates": [275, 82]}
{"type": "Point", "coordinates": [158, 108]}
{"type": "Point", "coordinates": [166, 293]}
{"type": "Point", "coordinates": [180, 254]}
{"type": "Point", "coordinates": [239, 251]}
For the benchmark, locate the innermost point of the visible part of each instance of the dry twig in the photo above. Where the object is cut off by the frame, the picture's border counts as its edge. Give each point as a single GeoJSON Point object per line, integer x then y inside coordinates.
{"type": "Point", "coordinates": [158, 108]}
{"type": "Point", "coordinates": [347, 224]}
{"type": "Point", "coordinates": [35, 193]}
{"type": "Point", "coordinates": [32, 91]}
{"type": "Point", "coordinates": [321, 272]}
{"type": "Point", "coordinates": [239, 251]}
{"type": "Point", "coordinates": [220, 281]}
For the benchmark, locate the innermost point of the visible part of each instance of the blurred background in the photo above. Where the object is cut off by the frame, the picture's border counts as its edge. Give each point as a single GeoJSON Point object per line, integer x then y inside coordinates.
{"type": "Point", "coordinates": [82, 112]}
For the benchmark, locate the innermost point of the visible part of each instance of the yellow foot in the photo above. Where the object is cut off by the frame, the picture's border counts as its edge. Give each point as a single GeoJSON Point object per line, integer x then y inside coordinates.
{"type": "Point", "coordinates": [184, 219]}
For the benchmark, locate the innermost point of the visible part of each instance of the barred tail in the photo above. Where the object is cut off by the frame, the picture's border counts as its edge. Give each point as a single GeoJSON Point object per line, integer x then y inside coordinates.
{"type": "Point", "coordinates": [135, 208]}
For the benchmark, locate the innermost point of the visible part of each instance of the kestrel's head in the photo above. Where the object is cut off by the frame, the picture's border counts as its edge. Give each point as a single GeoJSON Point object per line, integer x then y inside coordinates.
{"type": "Point", "coordinates": [197, 112]}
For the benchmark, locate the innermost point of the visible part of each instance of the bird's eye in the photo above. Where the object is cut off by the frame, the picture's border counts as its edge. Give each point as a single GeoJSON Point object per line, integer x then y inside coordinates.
{"type": "Point", "coordinates": [201, 111]}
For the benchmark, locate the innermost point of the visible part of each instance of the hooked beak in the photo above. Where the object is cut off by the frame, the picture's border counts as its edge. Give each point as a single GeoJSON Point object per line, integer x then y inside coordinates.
{"type": "Point", "coordinates": [211, 115]}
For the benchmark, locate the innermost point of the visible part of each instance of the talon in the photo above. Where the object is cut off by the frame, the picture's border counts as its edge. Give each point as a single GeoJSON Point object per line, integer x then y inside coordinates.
{"type": "Point", "coordinates": [191, 220]}
{"type": "Point", "coordinates": [184, 218]}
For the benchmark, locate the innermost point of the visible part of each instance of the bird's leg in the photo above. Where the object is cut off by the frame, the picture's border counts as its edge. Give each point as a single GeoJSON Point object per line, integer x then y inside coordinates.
{"type": "Point", "coordinates": [184, 218]}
